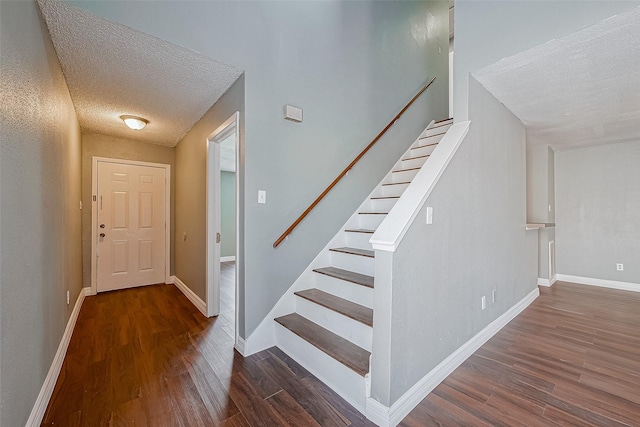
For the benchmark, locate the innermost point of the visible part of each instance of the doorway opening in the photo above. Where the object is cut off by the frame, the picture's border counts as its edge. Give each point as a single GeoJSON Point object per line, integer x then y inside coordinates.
{"type": "Point", "coordinates": [222, 221]}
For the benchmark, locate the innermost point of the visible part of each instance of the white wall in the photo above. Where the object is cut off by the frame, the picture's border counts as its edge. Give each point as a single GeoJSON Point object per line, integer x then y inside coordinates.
{"type": "Point", "coordinates": [40, 251]}
{"type": "Point", "coordinates": [597, 216]}
{"type": "Point", "coordinates": [488, 31]}
{"type": "Point", "coordinates": [350, 65]}
{"type": "Point", "coordinates": [477, 243]}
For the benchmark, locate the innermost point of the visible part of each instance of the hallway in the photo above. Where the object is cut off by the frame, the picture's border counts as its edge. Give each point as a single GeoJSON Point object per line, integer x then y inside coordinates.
{"type": "Point", "coordinates": [146, 357]}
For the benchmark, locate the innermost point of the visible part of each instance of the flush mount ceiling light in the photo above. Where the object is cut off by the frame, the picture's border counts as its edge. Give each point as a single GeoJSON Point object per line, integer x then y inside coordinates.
{"type": "Point", "coordinates": [134, 122]}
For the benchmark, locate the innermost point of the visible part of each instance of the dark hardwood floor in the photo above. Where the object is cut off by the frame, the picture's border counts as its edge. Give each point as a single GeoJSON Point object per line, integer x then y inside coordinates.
{"type": "Point", "coordinates": [572, 358]}
{"type": "Point", "coordinates": [147, 357]}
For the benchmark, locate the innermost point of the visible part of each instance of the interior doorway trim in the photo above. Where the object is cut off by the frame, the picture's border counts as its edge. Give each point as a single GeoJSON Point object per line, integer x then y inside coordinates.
{"type": "Point", "coordinates": [94, 214]}
{"type": "Point", "coordinates": [229, 127]}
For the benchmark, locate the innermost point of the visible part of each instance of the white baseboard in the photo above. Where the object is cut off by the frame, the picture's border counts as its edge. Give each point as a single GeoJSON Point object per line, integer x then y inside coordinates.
{"type": "Point", "coordinates": [612, 284]}
{"type": "Point", "coordinates": [239, 345]}
{"type": "Point", "coordinates": [227, 258]}
{"type": "Point", "coordinates": [170, 281]}
{"type": "Point", "coordinates": [40, 406]}
{"type": "Point", "coordinates": [547, 282]}
{"type": "Point", "coordinates": [191, 296]}
{"type": "Point", "coordinates": [385, 417]}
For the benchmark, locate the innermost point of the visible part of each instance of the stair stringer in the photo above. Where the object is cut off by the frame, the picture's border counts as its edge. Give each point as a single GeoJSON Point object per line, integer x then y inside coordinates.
{"type": "Point", "coordinates": [263, 336]}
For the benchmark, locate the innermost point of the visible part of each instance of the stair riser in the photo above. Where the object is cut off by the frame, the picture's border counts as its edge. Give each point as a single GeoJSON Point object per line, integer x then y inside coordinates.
{"type": "Point", "coordinates": [380, 205]}
{"type": "Point", "coordinates": [350, 291]}
{"type": "Point", "coordinates": [413, 163]}
{"type": "Point", "coordinates": [349, 385]}
{"type": "Point", "coordinates": [421, 151]}
{"type": "Point", "coordinates": [370, 222]}
{"type": "Point", "coordinates": [357, 263]}
{"type": "Point", "coordinates": [349, 329]}
{"type": "Point", "coordinates": [358, 240]}
{"type": "Point", "coordinates": [404, 176]}
{"type": "Point", "coordinates": [391, 190]}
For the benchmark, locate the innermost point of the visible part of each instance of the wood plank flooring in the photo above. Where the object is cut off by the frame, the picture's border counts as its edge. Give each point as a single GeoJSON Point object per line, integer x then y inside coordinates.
{"type": "Point", "coordinates": [572, 358]}
{"type": "Point", "coordinates": [146, 357]}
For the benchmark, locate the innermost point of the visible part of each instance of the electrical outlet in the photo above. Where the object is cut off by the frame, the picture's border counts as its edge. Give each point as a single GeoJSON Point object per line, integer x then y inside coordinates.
{"type": "Point", "coordinates": [68, 298]}
{"type": "Point", "coordinates": [620, 267]}
{"type": "Point", "coordinates": [494, 296]}
{"type": "Point", "coordinates": [484, 302]}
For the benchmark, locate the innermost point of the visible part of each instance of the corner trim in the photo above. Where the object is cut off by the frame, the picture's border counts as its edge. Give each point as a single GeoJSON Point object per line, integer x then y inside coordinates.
{"type": "Point", "coordinates": [227, 258]}
{"type": "Point", "coordinates": [611, 284]}
{"type": "Point", "coordinates": [41, 403]}
{"type": "Point", "coordinates": [547, 282]}
{"type": "Point", "coordinates": [191, 296]}
{"type": "Point", "coordinates": [384, 416]}
{"type": "Point", "coordinates": [239, 345]}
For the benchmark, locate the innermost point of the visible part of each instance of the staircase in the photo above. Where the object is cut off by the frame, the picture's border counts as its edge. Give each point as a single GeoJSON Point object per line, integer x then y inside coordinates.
{"type": "Point", "coordinates": [330, 332]}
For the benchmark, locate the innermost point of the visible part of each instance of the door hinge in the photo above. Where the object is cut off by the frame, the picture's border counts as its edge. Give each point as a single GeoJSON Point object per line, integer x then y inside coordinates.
{"type": "Point", "coordinates": [94, 198]}
{"type": "Point", "coordinates": [217, 237]}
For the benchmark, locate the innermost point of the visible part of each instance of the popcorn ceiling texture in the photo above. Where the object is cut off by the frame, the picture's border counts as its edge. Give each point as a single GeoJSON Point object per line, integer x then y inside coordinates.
{"type": "Point", "coordinates": [113, 70]}
{"type": "Point", "coordinates": [578, 90]}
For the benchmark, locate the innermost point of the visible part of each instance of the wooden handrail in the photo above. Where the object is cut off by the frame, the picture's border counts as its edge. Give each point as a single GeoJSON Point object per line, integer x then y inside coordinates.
{"type": "Point", "coordinates": [344, 172]}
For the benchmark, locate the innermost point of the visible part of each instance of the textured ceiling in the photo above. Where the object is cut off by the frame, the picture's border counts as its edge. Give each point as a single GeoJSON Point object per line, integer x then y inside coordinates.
{"type": "Point", "coordinates": [580, 90]}
{"type": "Point", "coordinates": [113, 70]}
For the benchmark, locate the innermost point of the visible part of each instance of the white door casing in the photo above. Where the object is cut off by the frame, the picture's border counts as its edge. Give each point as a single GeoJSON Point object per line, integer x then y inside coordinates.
{"type": "Point", "coordinates": [230, 127]}
{"type": "Point", "coordinates": [130, 224]}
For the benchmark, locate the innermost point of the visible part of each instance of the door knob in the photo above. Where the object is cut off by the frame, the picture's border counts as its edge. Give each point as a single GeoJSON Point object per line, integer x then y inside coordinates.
{"type": "Point", "coordinates": [102, 234]}
{"type": "Point", "coordinates": [101, 225]}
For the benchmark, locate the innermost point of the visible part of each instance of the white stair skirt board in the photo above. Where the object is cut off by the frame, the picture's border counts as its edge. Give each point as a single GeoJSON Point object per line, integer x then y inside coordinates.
{"type": "Point", "coordinates": [349, 385]}
{"type": "Point", "coordinates": [191, 296]}
{"type": "Point", "coordinates": [40, 406]}
{"type": "Point", "coordinates": [227, 258]}
{"type": "Point", "coordinates": [391, 231]}
{"type": "Point", "coordinates": [547, 282]}
{"type": "Point", "coordinates": [612, 284]}
{"type": "Point", "coordinates": [391, 417]}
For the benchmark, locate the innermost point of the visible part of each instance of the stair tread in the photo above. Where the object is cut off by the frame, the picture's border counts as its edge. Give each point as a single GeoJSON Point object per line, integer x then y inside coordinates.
{"type": "Point", "coordinates": [405, 170]}
{"type": "Point", "coordinates": [346, 275]}
{"type": "Point", "coordinates": [425, 145]}
{"type": "Point", "coordinates": [397, 183]}
{"type": "Point", "coordinates": [431, 136]}
{"type": "Point", "coordinates": [344, 351]}
{"type": "Point", "coordinates": [416, 157]}
{"type": "Point", "coordinates": [345, 307]}
{"type": "Point", "coordinates": [384, 197]}
{"type": "Point", "coordinates": [359, 230]}
{"type": "Point", "coordinates": [354, 251]}
{"type": "Point", "coordinates": [373, 213]}
{"type": "Point", "coordinates": [443, 120]}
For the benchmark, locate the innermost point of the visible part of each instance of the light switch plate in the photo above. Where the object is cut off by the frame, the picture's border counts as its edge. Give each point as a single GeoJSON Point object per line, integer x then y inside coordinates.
{"type": "Point", "coordinates": [262, 196]}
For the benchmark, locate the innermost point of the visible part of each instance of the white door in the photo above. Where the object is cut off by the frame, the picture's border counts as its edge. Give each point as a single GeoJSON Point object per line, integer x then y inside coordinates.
{"type": "Point", "coordinates": [131, 225]}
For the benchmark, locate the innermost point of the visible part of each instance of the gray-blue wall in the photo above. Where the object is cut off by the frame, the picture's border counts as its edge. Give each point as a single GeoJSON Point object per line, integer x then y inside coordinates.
{"type": "Point", "coordinates": [351, 66]}
{"type": "Point", "coordinates": [40, 251]}
{"type": "Point", "coordinates": [477, 242]}
{"type": "Point", "coordinates": [598, 212]}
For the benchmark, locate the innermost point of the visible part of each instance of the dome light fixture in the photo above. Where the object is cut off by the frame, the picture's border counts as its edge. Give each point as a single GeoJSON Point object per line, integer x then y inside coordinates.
{"type": "Point", "coordinates": [134, 122]}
